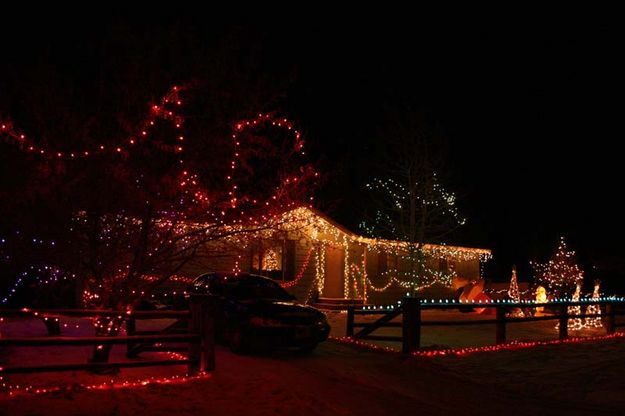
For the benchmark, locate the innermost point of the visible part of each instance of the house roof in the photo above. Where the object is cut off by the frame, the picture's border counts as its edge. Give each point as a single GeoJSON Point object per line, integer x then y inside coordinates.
{"type": "Point", "coordinates": [435, 248]}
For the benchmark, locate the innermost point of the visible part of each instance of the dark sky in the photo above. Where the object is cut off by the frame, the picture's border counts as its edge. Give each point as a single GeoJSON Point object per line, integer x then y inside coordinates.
{"type": "Point", "coordinates": [530, 110]}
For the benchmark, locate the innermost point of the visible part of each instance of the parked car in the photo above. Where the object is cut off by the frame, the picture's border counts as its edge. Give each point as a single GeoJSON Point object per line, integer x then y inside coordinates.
{"type": "Point", "coordinates": [255, 312]}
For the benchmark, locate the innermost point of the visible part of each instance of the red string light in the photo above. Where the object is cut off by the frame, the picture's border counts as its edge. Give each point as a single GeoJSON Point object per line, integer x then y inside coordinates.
{"type": "Point", "coordinates": [161, 111]}
{"type": "Point", "coordinates": [14, 390]}
{"type": "Point", "coordinates": [297, 147]}
{"type": "Point", "coordinates": [17, 389]}
{"type": "Point", "coordinates": [510, 346]}
{"type": "Point", "coordinates": [301, 271]}
{"type": "Point", "coordinates": [226, 211]}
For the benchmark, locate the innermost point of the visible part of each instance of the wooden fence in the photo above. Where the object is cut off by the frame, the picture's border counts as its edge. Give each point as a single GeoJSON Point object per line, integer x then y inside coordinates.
{"type": "Point", "coordinates": [199, 336]}
{"type": "Point", "coordinates": [411, 322]}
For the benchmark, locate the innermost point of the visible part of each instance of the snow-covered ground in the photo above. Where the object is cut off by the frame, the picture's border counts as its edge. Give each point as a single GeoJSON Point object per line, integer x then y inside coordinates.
{"type": "Point", "coordinates": [460, 336]}
{"type": "Point", "coordinates": [339, 379]}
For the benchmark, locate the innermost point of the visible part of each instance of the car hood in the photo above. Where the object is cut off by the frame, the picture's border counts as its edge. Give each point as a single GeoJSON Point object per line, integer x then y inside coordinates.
{"type": "Point", "coordinates": [282, 310]}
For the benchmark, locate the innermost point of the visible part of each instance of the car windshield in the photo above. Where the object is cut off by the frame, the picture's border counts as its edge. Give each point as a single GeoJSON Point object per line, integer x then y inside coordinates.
{"type": "Point", "coordinates": [254, 288]}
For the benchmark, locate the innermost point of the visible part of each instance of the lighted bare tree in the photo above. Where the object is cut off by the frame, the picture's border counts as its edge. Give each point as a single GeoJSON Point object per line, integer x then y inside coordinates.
{"type": "Point", "coordinates": [410, 202]}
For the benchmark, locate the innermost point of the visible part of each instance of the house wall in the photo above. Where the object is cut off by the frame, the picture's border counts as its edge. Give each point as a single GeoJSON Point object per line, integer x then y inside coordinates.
{"type": "Point", "coordinates": [386, 297]}
{"type": "Point", "coordinates": [377, 263]}
{"type": "Point", "coordinates": [466, 271]}
{"type": "Point", "coordinates": [302, 243]}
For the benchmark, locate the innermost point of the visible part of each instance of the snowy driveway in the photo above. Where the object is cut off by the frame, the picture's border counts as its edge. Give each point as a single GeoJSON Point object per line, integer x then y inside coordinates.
{"type": "Point", "coordinates": [340, 380]}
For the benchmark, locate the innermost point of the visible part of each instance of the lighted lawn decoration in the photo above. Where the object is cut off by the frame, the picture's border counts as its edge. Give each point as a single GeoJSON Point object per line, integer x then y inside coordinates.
{"type": "Point", "coordinates": [594, 322]}
{"type": "Point", "coordinates": [515, 295]}
{"type": "Point", "coordinates": [541, 297]}
{"type": "Point", "coordinates": [574, 323]}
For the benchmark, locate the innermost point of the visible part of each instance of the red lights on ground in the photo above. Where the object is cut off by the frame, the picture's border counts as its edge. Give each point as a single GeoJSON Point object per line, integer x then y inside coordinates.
{"type": "Point", "coordinates": [514, 345]}
{"type": "Point", "coordinates": [14, 390]}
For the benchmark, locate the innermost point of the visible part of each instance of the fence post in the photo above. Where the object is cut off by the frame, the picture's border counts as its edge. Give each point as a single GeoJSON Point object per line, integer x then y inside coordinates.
{"type": "Point", "coordinates": [500, 332]}
{"type": "Point", "coordinates": [610, 318]}
{"type": "Point", "coordinates": [411, 324]}
{"type": "Point", "coordinates": [208, 334]}
{"type": "Point", "coordinates": [53, 325]}
{"type": "Point", "coordinates": [349, 328]}
{"type": "Point", "coordinates": [417, 324]}
{"type": "Point", "coordinates": [131, 328]}
{"type": "Point", "coordinates": [564, 321]}
{"type": "Point", "coordinates": [202, 322]}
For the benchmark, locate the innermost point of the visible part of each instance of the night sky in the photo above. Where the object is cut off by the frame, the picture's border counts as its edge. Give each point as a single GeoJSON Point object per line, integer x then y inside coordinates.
{"type": "Point", "coordinates": [529, 111]}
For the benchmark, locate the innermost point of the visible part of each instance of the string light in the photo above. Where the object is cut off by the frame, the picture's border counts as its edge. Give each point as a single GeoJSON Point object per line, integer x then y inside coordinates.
{"type": "Point", "coordinates": [297, 177]}
{"type": "Point", "coordinates": [190, 185]}
{"type": "Point", "coordinates": [301, 272]}
{"type": "Point", "coordinates": [230, 220]}
{"type": "Point", "coordinates": [163, 110]}
{"type": "Point", "coordinates": [510, 346]}
{"type": "Point", "coordinates": [15, 390]}
{"type": "Point", "coordinates": [43, 275]}
{"type": "Point", "coordinates": [324, 233]}
{"type": "Point", "coordinates": [396, 220]}
{"type": "Point", "coordinates": [509, 303]}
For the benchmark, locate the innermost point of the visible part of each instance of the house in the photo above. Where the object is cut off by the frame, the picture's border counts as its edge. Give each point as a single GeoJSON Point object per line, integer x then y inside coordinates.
{"type": "Point", "coordinates": [317, 259]}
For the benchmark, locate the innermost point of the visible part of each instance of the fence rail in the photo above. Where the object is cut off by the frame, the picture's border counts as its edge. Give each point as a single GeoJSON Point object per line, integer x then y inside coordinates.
{"type": "Point", "coordinates": [88, 313]}
{"type": "Point", "coordinates": [411, 323]}
{"type": "Point", "coordinates": [199, 335]}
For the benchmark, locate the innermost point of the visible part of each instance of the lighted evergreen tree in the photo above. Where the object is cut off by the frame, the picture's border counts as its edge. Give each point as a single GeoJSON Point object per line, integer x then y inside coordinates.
{"type": "Point", "coordinates": [513, 290]}
{"type": "Point", "coordinates": [560, 274]}
{"type": "Point", "coordinates": [514, 294]}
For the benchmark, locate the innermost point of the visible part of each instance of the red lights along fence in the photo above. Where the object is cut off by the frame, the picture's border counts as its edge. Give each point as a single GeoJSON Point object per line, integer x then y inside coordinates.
{"type": "Point", "coordinates": [200, 336]}
{"type": "Point", "coordinates": [411, 322]}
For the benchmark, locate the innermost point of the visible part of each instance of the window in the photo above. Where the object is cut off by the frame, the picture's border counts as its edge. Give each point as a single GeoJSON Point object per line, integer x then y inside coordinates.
{"type": "Point", "coordinates": [274, 259]}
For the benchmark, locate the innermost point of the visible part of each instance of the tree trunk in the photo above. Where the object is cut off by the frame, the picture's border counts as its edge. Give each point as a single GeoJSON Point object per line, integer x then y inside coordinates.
{"type": "Point", "coordinates": [105, 327]}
